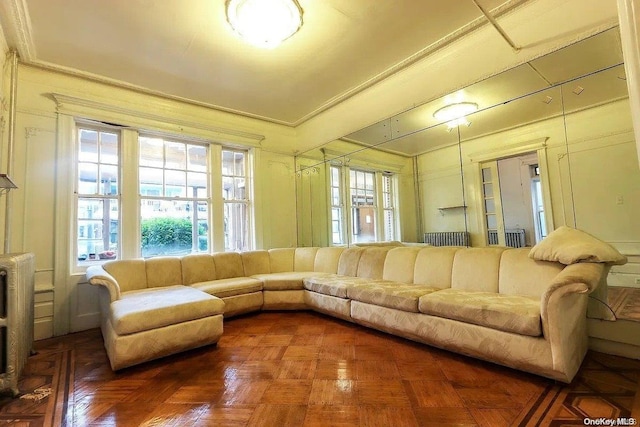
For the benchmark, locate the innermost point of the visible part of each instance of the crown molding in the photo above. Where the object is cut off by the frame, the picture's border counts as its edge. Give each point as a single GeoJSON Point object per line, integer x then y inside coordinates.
{"type": "Point", "coordinates": [16, 24]}
{"type": "Point", "coordinates": [78, 106]}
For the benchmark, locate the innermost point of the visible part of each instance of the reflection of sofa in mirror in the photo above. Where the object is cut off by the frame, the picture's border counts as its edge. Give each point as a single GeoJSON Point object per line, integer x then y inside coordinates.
{"type": "Point", "coordinates": [496, 304]}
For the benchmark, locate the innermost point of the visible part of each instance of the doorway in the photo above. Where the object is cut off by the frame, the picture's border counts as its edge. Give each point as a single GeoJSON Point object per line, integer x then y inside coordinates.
{"type": "Point", "coordinates": [513, 202]}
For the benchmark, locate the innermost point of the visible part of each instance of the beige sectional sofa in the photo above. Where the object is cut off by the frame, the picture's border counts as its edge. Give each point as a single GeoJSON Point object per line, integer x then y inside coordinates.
{"type": "Point", "coordinates": [496, 304]}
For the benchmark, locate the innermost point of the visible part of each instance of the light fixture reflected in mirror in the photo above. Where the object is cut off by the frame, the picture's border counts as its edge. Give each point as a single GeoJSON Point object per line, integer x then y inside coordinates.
{"type": "Point", "coordinates": [6, 184]}
{"type": "Point", "coordinates": [264, 23]}
{"type": "Point", "coordinates": [456, 114]}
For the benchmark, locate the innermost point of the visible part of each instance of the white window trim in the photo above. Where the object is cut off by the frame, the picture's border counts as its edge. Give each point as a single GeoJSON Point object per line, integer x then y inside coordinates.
{"type": "Point", "coordinates": [345, 191]}
{"type": "Point", "coordinates": [84, 124]}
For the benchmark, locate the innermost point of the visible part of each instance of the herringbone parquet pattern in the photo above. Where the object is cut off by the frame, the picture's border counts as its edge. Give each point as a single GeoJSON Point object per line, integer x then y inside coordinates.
{"type": "Point", "coordinates": [305, 369]}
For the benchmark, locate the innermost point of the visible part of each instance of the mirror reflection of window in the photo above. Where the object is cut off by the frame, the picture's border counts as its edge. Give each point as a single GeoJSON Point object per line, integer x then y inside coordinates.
{"type": "Point", "coordinates": [362, 196]}
{"type": "Point", "coordinates": [337, 235]}
{"type": "Point", "coordinates": [537, 204]}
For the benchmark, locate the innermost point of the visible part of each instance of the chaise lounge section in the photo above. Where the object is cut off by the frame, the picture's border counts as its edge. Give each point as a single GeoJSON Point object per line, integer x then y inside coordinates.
{"type": "Point", "coordinates": [496, 304]}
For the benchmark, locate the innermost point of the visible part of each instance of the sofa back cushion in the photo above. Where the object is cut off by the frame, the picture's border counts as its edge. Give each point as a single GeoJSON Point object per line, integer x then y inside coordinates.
{"type": "Point", "coordinates": [434, 265]}
{"type": "Point", "coordinates": [163, 271]}
{"type": "Point", "coordinates": [476, 269]}
{"type": "Point", "coordinates": [521, 275]}
{"type": "Point", "coordinates": [305, 259]}
{"type": "Point", "coordinates": [399, 264]}
{"type": "Point", "coordinates": [228, 264]}
{"type": "Point", "coordinates": [131, 274]}
{"type": "Point", "coordinates": [197, 268]}
{"type": "Point", "coordinates": [349, 259]}
{"type": "Point", "coordinates": [371, 264]}
{"type": "Point", "coordinates": [281, 259]}
{"type": "Point", "coordinates": [327, 260]}
{"type": "Point", "coordinates": [256, 262]}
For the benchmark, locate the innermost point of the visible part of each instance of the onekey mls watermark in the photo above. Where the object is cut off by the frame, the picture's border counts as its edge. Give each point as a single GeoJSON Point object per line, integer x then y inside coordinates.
{"type": "Point", "coordinates": [603, 421]}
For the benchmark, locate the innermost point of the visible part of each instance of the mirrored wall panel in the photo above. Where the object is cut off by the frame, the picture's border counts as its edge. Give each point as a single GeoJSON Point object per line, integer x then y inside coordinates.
{"type": "Point", "coordinates": [501, 162]}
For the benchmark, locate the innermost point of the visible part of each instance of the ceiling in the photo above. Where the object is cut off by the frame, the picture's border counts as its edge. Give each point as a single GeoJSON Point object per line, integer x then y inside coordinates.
{"type": "Point", "coordinates": [191, 53]}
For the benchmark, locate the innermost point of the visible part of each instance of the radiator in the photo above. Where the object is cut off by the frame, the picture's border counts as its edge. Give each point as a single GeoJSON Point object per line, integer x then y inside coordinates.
{"type": "Point", "coordinates": [513, 238]}
{"type": "Point", "coordinates": [447, 238]}
{"type": "Point", "coordinates": [17, 273]}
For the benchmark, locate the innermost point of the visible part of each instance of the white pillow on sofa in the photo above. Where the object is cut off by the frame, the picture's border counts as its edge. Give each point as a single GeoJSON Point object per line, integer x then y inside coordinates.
{"type": "Point", "coordinates": [569, 246]}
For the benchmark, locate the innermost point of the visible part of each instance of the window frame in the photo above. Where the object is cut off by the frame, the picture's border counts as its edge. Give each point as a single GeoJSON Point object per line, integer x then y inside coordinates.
{"type": "Point", "coordinates": [244, 203]}
{"type": "Point", "coordinates": [378, 204]}
{"type": "Point", "coordinates": [128, 195]}
{"type": "Point", "coordinates": [99, 128]}
{"type": "Point", "coordinates": [189, 200]}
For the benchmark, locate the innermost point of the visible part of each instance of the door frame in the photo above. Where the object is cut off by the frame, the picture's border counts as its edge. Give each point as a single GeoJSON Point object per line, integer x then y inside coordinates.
{"type": "Point", "coordinates": [539, 146]}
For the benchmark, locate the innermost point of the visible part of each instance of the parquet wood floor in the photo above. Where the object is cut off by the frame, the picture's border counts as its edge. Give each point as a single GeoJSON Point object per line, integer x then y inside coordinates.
{"type": "Point", "coordinates": [625, 303]}
{"type": "Point", "coordinates": [305, 369]}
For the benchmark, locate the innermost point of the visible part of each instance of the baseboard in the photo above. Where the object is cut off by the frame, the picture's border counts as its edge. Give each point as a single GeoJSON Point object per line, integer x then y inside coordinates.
{"type": "Point", "coordinates": [616, 348]}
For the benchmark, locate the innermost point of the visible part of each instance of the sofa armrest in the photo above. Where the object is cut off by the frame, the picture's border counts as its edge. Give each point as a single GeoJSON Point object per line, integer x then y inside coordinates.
{"type": "Point", "coordinates": [563, 312]}
{"type": "Point", "coordinates": [96, 275]}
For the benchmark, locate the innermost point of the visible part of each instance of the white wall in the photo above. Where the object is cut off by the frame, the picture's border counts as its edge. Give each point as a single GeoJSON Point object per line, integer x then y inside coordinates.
{"type": "Point", "coordinates": [441, 190]}
{"type": "Point", "coordinates": [46, 102]}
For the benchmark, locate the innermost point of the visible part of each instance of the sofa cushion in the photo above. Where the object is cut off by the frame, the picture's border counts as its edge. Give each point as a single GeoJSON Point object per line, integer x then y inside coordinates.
{"type": "Point", "coordinates": [327, 260]}
{"type": "Point", "coordinates": [348, 263]}
{"type": "Point", "coordinates": [148, 309]}
{"type": "Point", "coordinates": [255, 262]}
{"type": "Point", "coordinates": [131, 274]}
{"type": "Point", "coordinates": [284, 281]}
{"type": "Point", "coordinates": [371, 264]}
{"type": "Point", "coordinates": [281, 259]}
{"type": "Point", "coordinates": [476, 269]}
{"type": "Point", "coordinates": [399, 264]}
{"type": "Point", "coordinates": [510, 313]}
{"type": "Point", "coordinates": [521, 275]}
{"type": "Point", "coordinates": [304, 259]}
{"type": "Point", "coordinates": [228, 264]}
{"type": "Point", "coordinates": [163, 271]}
{"type": "Point", "coordinates": [230, 287]}
{"type": "Point", "coordinates": [400, 296]}
{"type": "Point", "coordinates": [433, 266]}
{"type": "Point", "coordinates": [197, 268]}
{"type": "Point", "coordinates": [334, 285]}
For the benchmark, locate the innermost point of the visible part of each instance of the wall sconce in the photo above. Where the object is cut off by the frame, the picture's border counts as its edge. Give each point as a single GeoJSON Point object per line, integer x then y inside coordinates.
{"type": "Point", "coordinates": [6, 184]}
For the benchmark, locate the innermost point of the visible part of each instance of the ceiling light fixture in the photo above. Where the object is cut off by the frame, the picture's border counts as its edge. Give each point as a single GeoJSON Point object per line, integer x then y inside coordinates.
{"type": "Point", "coordinates": [455, 114]}
{"type": "Point", "coordinates": [264, 23]}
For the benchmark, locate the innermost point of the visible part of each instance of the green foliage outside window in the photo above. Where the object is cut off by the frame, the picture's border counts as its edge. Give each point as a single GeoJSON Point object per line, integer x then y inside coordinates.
{"type": "Point", "coordinates": [168, 236]}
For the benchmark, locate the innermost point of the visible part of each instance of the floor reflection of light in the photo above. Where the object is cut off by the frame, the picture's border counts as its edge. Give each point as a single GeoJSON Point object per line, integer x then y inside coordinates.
{"type": "Point", "coordinates": [342, 370]}
{"type": "Point", "coordinates": [345, 385]}
{"type": "Point", "coordinates": [230, 374]}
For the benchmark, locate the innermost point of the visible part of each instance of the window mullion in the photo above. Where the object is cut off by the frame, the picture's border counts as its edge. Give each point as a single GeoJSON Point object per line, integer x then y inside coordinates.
{"type": "Point", "coordinates": [379, 207]}
{"type": "Point", "coordinates": [129, 195]}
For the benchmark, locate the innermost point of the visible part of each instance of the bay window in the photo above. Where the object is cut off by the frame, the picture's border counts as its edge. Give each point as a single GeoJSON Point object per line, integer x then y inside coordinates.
{"type": "Point", "coordinates": [160, 190]}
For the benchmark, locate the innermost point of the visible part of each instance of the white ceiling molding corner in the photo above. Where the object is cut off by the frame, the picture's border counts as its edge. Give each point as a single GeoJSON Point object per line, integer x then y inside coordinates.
{"type": "Point", "coordinates": [14, 16]}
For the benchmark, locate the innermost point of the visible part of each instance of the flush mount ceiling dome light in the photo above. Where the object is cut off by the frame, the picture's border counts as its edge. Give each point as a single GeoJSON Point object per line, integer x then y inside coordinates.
{"type": "Point", "coordinates": [264, 23]}
{"type": "Point", "coordinates": [455, 114]}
